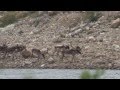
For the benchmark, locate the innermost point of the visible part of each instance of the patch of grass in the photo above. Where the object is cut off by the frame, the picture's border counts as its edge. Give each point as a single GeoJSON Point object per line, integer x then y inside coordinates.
{"type": "Point", "coordinates": [88, 75]}
{"type": "Point", "coordinates": [11, 17]}
{"type": "Point", "coordinates": [7, 19]}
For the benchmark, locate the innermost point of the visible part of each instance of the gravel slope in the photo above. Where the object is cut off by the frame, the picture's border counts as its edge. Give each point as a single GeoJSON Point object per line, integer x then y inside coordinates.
{"type": "Point", "coordinates": [100, 43]}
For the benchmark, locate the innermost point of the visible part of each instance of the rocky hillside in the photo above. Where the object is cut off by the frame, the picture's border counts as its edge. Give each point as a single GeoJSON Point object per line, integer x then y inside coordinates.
{"type": "Point", "coordinates": [97, 33]}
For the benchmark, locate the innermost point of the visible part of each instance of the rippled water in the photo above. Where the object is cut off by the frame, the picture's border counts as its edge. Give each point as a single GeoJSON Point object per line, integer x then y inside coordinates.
{"type": "Point", "coordinates": [51, 73]}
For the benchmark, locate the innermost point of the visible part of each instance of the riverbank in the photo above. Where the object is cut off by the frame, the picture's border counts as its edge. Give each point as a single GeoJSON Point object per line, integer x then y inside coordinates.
{"type": "Point", "coordinates": [52, 74]}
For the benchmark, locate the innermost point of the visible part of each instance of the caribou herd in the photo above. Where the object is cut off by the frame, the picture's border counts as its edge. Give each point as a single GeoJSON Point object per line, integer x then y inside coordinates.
{"type": "Point", "coordinates": [59, 50]}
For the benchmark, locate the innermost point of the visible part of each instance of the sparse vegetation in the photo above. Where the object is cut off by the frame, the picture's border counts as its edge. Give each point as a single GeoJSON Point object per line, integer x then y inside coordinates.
{"type": "Point", "coordinates": [7, 19]}
{"type": "Point", "coordinates": [92, 16]}
{"type": "Point", "coordinates": [88, 75]}
{"type": "Point", "coordinates": [13, 16]}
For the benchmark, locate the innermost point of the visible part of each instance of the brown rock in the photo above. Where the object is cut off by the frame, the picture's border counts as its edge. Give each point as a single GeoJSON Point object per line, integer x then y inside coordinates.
{"type": "Point", "coordinates": [115, 23]}
{"type": "Point", "coordinates": [26, 54]}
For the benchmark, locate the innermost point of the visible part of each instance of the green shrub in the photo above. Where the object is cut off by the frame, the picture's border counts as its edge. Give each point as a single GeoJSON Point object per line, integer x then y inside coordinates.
{"type": "Point", "coordinates": [88, 75]}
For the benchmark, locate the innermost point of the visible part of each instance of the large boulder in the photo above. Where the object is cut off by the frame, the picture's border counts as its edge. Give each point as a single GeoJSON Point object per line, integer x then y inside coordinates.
{"type": "Point", "coordinates": [115, 23]}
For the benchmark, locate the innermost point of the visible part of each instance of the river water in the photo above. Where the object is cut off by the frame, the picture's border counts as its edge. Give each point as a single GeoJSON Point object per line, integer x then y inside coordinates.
{"type": "Point", "coordinates": [51, 74]}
